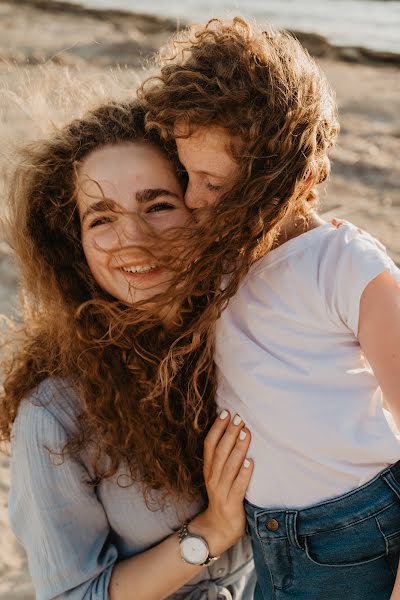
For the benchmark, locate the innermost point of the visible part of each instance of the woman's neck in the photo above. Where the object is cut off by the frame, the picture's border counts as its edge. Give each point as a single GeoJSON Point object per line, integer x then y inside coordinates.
{"type": "Point", "coordinates": [294, 225]}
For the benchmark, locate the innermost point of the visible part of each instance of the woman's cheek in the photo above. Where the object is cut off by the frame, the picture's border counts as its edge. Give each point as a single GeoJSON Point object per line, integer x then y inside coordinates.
{"type": "Point", "coordinates": [104, 239]}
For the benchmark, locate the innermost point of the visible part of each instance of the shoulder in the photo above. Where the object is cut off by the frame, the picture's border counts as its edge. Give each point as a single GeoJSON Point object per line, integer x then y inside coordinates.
{"type": "Point", "coordinates": [352, 258]}
{"type": "Point", "coordinates": [54, 401]}
{"type": "Point", "coordinates": [46, 420]}
{"type": "Point", "coordinates": [347, 235]}
{"type": "Point", "coordinates": [355, 252]}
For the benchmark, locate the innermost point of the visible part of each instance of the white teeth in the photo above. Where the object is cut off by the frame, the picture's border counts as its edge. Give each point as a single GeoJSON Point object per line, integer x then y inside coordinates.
{"type": "Point", "coordinates": [139, 269]}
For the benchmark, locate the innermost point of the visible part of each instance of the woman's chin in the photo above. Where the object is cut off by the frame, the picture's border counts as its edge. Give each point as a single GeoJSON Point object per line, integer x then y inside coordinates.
{"type": "Point", "coordinates": [133, 288]}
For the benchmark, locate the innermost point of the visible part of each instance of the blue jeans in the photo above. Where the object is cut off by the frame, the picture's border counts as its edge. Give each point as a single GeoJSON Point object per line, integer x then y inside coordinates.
{"type": "Point", "coordinates": [346, 548]}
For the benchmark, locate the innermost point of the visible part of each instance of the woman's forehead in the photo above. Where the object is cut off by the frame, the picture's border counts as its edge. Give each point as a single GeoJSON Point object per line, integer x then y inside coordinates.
{"type": "Point", "coordinates": [119, 171]}
{"type": "Point", "coordinates": [206, 150]}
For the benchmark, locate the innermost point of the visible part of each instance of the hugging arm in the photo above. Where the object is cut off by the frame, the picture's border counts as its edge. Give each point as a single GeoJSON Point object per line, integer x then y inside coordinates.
{"type": "Point", "coordinates": [65, 531]}
{"type": "Point", "coordinates": [379, 336]}
{"type": "Point", "coordinates": [160, 571]}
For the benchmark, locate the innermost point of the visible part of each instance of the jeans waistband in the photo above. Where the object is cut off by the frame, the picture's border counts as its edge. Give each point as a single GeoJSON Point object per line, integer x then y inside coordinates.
{"type": "Point", "coordinates": [351, 507]}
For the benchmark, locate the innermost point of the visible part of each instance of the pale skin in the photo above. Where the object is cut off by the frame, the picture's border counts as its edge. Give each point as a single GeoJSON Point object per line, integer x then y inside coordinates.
{"type": "Point", "coordinates": [122, 189]}
{"type": "Point", "coordinates": [137, 180]}
{"type": "Point", "coordinates": [210, 166]}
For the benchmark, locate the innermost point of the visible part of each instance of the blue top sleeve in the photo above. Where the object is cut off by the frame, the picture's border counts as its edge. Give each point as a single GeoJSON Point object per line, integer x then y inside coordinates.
{"type": "Point", "coordinates": [55, 513]}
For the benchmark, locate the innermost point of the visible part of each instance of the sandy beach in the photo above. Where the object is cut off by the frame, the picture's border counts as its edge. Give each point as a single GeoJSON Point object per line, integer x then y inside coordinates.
{"type": "Point", "coordinates": [105, 53]}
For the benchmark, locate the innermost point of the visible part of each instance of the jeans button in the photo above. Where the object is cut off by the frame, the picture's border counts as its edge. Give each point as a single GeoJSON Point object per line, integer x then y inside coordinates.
{"type": "Point", "coordinates": [272, 524]}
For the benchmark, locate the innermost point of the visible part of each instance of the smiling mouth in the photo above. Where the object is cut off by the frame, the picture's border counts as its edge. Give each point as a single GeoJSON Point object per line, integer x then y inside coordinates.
{"type": "Point", "coordinates": [141, 272]}
{"type": "Point", "coordinates": [139, 269]}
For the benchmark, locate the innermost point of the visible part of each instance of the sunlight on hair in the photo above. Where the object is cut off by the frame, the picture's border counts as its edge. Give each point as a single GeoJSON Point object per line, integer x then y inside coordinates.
{"type": "Point", "coordinates": [34, 101]}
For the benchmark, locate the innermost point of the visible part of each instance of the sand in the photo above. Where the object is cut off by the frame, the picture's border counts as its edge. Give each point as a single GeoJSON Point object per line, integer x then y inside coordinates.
{"type": "Point", "coordinates": [64, 49]}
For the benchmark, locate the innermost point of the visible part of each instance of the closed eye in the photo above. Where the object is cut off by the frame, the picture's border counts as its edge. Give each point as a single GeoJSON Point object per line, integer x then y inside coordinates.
{"type": "Point", "coordinates": [213, 188]}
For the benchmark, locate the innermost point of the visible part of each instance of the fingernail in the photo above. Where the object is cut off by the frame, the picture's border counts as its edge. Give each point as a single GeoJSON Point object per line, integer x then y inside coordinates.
{"type": "Point", "coordinates": [223, 414]}
{"type": "Point", "coordinates": [246, 463]}
{"type": "Point", "coordinates": [242, 435]}
{"type": "Point", "coordinates": [237, 420]}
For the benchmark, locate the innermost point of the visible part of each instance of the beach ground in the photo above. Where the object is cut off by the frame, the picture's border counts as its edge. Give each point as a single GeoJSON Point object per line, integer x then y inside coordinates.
{"type": "Point", "coordinates": [102, 55]}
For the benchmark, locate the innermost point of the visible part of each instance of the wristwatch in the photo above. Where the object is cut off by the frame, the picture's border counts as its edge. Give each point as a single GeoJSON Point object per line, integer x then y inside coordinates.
{"type": "Point", "coordinates": [194, 548]}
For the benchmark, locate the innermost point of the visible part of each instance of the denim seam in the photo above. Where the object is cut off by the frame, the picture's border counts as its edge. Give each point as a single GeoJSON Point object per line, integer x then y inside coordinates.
{"type": "Point", "coordinates": [349, 524]}
{"type": "Point", "coordinates": [392, 536]}
{"type": "Point", "coordinates": [291, 571]}
{"type": "Point", "coordinates": [274, 586]}
{"type": "Point", "coordinates": [291, 527]}
{"type": "Point", "coordinates": [267, 565]}
{"type": "Point", "coordinates": [272, 539]}
{"type": "Point", "coordinates": [255, 529]}
{"type": "Point", "coordinates": [387, 539]}
{"type": "Point", "coordinates": [383, 535]}
{"type": "Point", "coordinates": [387, 480]}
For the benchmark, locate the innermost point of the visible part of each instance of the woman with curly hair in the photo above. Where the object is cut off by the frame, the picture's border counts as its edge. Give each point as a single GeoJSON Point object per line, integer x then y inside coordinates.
{"type": "Point", "coordinates": [310, 335]}
{"type": "Point", "coordinates": [107, 468]}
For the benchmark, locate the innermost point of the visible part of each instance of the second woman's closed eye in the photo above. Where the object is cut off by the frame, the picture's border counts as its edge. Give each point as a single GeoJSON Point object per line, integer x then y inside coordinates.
{"type": "Point", "coordinates": [212, 187]}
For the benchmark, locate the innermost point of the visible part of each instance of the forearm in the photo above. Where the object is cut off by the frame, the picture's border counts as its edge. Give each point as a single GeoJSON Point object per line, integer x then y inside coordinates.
{"type": "Point", "coordinates": [160, 571]}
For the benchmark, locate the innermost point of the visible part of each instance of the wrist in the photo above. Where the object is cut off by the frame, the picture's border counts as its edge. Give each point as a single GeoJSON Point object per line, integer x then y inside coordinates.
{"type": "Point", "coordinates": [216, 539]}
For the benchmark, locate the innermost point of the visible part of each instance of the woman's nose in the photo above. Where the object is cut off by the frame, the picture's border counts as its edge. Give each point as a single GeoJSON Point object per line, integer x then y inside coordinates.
{"type": "Point", "coordinates": [134, 228]}
{"type": "Point", "coordinates": [193, 198]}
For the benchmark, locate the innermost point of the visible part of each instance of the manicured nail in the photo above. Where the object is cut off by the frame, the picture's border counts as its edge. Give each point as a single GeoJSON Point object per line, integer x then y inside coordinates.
{"type": "Point", "coordinates": [246, 463]}
{"type": "Point", "coordinates": [242, 435]}
{"type": "Point", "coordinates": [223, 414]}
{"type": "Point", "coordinates": [237, 420]}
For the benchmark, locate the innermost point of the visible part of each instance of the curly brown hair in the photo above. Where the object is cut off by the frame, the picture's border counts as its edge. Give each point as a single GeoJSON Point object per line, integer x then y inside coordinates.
{"type": "Point", "coordinates": [111, 352]}
{"type": "Point", "coordinates": [276, 105]}
{"type": "Point", "coordinates": [278, 110]}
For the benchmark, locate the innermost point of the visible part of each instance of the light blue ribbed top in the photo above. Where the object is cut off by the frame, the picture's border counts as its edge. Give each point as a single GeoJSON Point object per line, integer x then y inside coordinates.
{"type": "Point", "coordinates": [74, 533]}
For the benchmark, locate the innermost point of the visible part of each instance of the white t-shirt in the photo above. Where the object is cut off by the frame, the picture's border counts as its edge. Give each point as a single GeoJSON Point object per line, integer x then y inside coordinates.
{"type": "Point", "coordinates": [290, 364]}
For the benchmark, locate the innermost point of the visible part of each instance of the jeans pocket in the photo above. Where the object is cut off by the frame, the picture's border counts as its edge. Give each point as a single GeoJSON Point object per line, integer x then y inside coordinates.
{"type": "Point", "coordinates": [351, 545]}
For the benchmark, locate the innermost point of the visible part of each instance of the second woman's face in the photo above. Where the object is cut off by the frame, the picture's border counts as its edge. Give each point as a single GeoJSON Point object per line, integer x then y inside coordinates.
{"type": "Point", "coordinates": [128, 192]}
{"type": "Point", "coordinates": [210, 167]}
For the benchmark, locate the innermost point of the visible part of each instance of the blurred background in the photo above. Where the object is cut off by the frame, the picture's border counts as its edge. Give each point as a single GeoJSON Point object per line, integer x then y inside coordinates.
{"type": "Point", "coordinates": [58, 58]}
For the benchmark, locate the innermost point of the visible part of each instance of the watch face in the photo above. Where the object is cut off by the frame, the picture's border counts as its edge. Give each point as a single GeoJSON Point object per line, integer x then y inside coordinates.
{"type": "Point", "coordinates": [194, 550]}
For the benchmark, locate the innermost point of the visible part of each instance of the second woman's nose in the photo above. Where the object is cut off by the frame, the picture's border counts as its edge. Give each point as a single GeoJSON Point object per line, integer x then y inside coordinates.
{"type": "Point", "coordinates": [194, 198]}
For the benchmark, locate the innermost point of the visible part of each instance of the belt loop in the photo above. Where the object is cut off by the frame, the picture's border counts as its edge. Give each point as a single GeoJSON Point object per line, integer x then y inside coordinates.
{"type": "Point", "coordinates": [291, 528]}
{"type": "Point", "coordinates": [392, 482]}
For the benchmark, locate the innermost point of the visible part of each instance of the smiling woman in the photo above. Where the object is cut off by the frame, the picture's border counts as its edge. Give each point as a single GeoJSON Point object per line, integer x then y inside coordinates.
{"type": "Point", "coordinates": [107, 469]}
{"type": "Point", "coordinates": [139, 190]}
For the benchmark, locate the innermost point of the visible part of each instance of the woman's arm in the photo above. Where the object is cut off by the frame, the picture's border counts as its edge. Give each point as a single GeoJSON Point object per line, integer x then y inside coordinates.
{"type": "Point", "coordinates": [58, 518]}
{"type": "Point", "coordinates": [396, 590]}
{"type": "Point", "coordinates": [157, 573]}
{"type": "Point", "coordinates": [379, 336]}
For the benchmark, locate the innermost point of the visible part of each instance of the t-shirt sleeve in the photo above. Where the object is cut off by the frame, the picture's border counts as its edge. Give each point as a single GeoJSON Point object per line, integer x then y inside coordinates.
{"type": "Point", "coordinates": [356, 258]}
{"type": "Point", "coordinates": [55, 514]}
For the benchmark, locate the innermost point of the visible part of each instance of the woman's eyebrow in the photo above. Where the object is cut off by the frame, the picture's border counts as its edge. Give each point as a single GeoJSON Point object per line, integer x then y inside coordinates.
{"type": "Point", "coordinates": [142, 196]}
{"type": "Point", "coordinates": [100, 206]}
{"type": "Point", "coordinates": [149, 194]}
